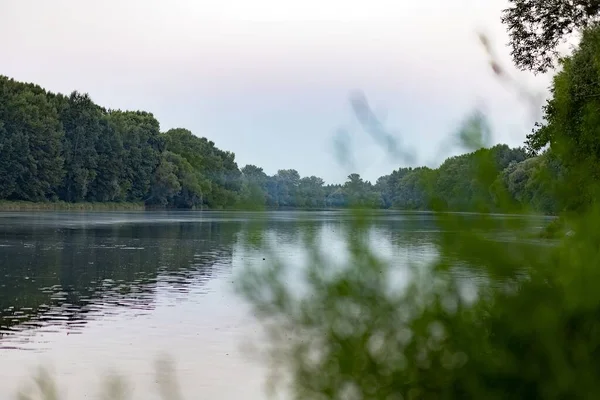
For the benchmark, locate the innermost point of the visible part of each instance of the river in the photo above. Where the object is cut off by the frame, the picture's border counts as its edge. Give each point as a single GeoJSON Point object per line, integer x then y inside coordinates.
{"type": "Point", "coordinates": [85, 294]}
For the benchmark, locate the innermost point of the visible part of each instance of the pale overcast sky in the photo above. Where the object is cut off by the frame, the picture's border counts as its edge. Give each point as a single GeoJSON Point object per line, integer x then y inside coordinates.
{"type": "Point", "coordinates": [269, 79]}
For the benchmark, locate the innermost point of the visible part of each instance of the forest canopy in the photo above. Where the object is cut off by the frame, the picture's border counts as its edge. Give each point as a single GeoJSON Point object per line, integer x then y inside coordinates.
{"type": "Point", "coordinates": [67, 148]}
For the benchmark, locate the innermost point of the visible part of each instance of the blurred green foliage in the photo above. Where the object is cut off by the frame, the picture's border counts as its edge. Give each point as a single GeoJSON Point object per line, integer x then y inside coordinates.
{"type": "Point", "coordinates": [530, 330]}
{"type": "Point", "coordinates": [43, 385]}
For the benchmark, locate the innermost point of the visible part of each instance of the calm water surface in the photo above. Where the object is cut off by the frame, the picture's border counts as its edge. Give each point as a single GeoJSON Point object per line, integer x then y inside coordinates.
{"type": "Point", "coordinates": [90, 293]}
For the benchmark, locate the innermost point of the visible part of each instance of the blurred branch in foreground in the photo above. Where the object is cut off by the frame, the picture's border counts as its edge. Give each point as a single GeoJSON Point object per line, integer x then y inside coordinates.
{"type": "Point", "coordinates": [529, 330]}
{"type": "Point", "coordinates": [114, 386]}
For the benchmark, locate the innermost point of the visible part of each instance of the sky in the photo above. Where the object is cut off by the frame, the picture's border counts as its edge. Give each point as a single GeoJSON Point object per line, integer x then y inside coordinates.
{"type": "Point", "coordinates": [270, 79]}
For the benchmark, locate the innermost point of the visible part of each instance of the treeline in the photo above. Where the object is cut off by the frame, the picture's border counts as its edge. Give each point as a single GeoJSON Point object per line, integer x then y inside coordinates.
{"type": "Point", "coordinates": [66, 148]}
{"type": "Point", "coordinates": [452, 186]}
{"type": "Point", "coordinates": [55, 147]}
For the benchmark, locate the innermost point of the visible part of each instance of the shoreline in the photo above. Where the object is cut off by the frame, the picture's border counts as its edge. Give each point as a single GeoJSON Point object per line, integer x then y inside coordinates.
{"type": "Point", "coordinates": [16, 206]}
{"type": "Point", "coordinates": [7, 206]}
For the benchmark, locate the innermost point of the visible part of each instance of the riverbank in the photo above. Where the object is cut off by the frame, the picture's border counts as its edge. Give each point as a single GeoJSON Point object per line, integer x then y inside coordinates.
{"type": "Point", "coordinates": [140, 206]}
{"type": "Point", "coordinates": [124, 206]}
{"type": "Point", "coordinates": [64, 206]}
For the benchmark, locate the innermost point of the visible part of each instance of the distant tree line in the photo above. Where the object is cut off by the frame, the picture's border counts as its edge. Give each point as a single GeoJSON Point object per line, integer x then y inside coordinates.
{"type": "Point", "coordinates": [55, 147]}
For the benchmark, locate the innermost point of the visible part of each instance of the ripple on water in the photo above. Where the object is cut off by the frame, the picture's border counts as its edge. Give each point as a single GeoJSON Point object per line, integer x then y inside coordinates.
{"type": "Point", "coordinates": [106, 275]}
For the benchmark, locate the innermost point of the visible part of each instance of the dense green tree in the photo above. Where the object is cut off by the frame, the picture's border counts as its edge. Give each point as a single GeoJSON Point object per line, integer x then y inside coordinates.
{"type": "Point", "coordinates": [335, 196]}
{"type": "Point", "coordinates": [217, 170]}
{"type": "Point", "coordinates": [142, 144]}
{"type": "Point", "coordinates": [286, 186]}
{"type": "Point", "coordinates": [537, 27]}
{"type": "Point", "coordinates": [80, 118]}
{"type": "Point", "coordinates": [109, 148]}
{"type": "Point", "coordinates": [253, 194]}
{"type": "Point", "coordinates": [457, 186]}
{"type": "Point", "coordinates": [31, 152]}
{"type": "Point", "coordinates": [388, 186]}
{"type": "Point", "coordinates": [272, 192]}
{"type": "Point", "coordinates": [454, 184]}
{"type": "Point", "coordinates": [503, 155]}
{"type": "Point", "coordinates": [193, 184]}
{"type": "Point", "coordinates": [68, 148]}
{"type": "Point", "coordinates": [311, 193]}
{"type": "Point", "coordinates": [13, 156]}
{"type": "Point", "coordinates": [413, 189]}
{"type": "Point", "coordinates": [360, 193]}
{"type": "Point", "coordinates": [165, 183]}
{"type": "Point", "coordinates": [254, 173]}
{"type": "Point", "coordinates": [571, 129]}
{"type": "Point", "coordinates": [532, 183]}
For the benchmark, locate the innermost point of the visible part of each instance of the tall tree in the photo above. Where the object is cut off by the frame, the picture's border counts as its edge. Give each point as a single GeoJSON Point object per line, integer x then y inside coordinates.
{"type": "Point", "coordinates": [413, 192]}
{"type": "Point", "coordinates": [287, 181]}
{"type": "Point", "coordinates": [142, 144]}
{"type": "Point", "coordinates": [165, 183]}
{"type": "Point", "coordinates": [32, 134]}
{"type": "Point", "coordinates": [254, 188]}
{"type": "Point", "coordinates": [14, 151]}
{"type": "Point", "coordinates": [81, 121]}
{"type": "Point", "coordinates": [537, 27]}
{"type": "Point", "coordinates": [110, 162]}
{"type": "Point", "coordinates": [572, 127]}
{"type": "Point", "coordinates": [311, 193]}
{"type": "Point", "coordinates": [216, 169]}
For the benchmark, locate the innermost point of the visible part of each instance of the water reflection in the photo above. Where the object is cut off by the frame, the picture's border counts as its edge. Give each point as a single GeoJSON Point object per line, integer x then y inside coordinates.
{"type": "Point", "coordinates": [139, 283]}
{"type": "Point", "coordinates": [62, 271]}
{"type": "Point", "coordinates": [59, 270]}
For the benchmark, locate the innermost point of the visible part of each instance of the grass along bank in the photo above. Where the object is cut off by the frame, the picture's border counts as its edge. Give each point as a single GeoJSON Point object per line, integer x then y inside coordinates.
{"type": "Point", "coordinates": [64, 206]}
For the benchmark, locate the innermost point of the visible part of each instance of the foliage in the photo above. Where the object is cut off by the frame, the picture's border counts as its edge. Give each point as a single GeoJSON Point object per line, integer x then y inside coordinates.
{"type": "Point", "coordinates": [537, 27]}
{"type": "Point", "coordinates": [114, 386]}
{"type": "Point", "coordinates": [66, 148]}
{"type": "Point", "coordinates": [527, 328]}
{"type": "Point", "coordinates": [571, 131]}
{"type": "Point", "coordinates": [64, 206]}
{"type": "Point", "coordinates": [31, 165]}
